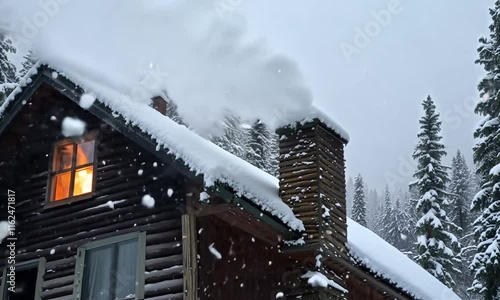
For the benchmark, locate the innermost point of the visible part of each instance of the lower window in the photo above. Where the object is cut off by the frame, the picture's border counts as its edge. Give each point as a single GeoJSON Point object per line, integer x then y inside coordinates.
{"type": "Point", "coordinates": [111, 269]}
{"type": "Point", "coordinates": [23, 282]}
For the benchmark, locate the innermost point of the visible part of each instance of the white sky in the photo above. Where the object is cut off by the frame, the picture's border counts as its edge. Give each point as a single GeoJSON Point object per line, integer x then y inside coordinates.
{"type": "Point", "coordinates": [429, 47]}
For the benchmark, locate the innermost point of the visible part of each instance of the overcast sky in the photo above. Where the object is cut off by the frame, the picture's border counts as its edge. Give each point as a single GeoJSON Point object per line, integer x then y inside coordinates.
{"type": "Point", "coordinates": [370, 64]}
{"type": "Point", "coordinates": [428, 47]}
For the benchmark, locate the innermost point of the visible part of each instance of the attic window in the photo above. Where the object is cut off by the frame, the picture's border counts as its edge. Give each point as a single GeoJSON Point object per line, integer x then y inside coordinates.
{"type": "Point", "coordinates": [73, 169]}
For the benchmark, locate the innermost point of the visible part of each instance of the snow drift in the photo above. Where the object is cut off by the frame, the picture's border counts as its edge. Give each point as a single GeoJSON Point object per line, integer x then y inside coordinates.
{"type": "Point", "coordinates": [185, 49]}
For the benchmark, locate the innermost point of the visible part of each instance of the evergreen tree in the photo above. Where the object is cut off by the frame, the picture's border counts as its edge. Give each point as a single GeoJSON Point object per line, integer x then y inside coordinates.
{"type": "Point", "coordinates": [387, 215]}
{"type": "Point", "coordinates": [359, 203]}
{"type": "Point", "coordinates": [8, 77]}
{"type": "Point", "coordinates": [235, 137]}
{"type": "Point", "coordinates": [412, 200]}
{"type": "Point", "coordinates": [399, 228]}
{"type": "Point", "coordinates": [409, 220]}
{"type": "Point", "coordinates": [374, 208]}
{"type": "Point", "coordinates": [486, 262]}
{"type": "Point", "coordinates": [377, 214]}
{"type": "Point", "coordinates": [434, 239]}
{"type": "Point", "coordinates": [274, 152]}
{"type": "Point", "coordinates": [28, 62]}
{"type": "Point", "coordinates": [261, 145]}
{"type": "Point", "coordinates": [459, 191]}
{"type": "Point", "coordinates": [253, 143]}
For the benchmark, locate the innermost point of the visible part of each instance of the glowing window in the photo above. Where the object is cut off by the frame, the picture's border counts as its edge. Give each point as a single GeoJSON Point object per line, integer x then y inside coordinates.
{"type": "Point", "coordinates": [73, 169]}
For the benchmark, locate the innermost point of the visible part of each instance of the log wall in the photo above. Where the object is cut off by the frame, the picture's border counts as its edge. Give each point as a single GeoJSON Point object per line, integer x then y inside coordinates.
{"type": "Point", "coordinates": [56, 233]}
{"type": "Point", "coordinates": [247, 268]}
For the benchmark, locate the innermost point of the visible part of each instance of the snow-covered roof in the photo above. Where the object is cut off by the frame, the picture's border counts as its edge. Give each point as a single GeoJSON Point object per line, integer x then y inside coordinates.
{"type": "Point", "coordinates": [200, 155]}
{"type": "Point", "coordinates": [383, 259]}
{"type": "Point", "coordinates": [217, 165]}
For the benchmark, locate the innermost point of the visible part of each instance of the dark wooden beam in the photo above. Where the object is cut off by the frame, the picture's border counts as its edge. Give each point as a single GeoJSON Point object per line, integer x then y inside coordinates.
{"type": "Point", "coordinates": [207, 210]}
{"type": "Point", "coordinates": [189, 253]}
{"type": "Point", "coordinates": [342, 266]}
{"type": "Point", "coordinates": [240, 218]}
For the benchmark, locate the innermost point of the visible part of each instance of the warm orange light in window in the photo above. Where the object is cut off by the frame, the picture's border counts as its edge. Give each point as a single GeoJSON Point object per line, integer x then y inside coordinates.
{"type": "Point", "coordinates": [62, 186]}
{"type": "Point", "coordinates": [78, 176]}
{"type": "Point", "coordinates": [83, 181]}
{"type": "Point", "coordinates": [84, 176]}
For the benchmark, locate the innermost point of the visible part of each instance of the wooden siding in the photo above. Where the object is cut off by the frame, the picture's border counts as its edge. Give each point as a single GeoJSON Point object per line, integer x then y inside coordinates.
{"type": "Point", "coordinates": [248, 269]}
{"type": "Point", "coordinates": [26, 147]}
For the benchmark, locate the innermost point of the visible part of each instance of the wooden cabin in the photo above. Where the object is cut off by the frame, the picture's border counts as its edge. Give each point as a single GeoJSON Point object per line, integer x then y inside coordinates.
{"type": "Point", "coordinates": [119, 211]}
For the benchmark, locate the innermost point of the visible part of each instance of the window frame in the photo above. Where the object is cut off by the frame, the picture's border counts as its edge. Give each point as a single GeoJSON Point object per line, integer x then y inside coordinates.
{"type": "Point", "coordinates": [141, 261]}
{"type": "Point", "coordinates": [49, 202]}
{"type": "Point", "coordinates": [36, 263]}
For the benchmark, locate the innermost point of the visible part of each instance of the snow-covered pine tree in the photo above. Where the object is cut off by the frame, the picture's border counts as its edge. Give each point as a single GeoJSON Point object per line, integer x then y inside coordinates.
{"type": "Point", "coordinates": [257, 144]}
{"type": "Point", "coordinates": [374, 209]}
{"type": "Point", "coordinates": [460, 200]}
{"type": "Point", "coordinates": [376, 217]}
{"type": "Point", "coordinates": [253, 143]}
{"type": "Point", "coordinates": [262, 144]}
{"type": "Point", "coordinates": [486, 262]}
{"type": "Point", "coordinates": [408, 221]}
{"type": "Point", "coordinates": [235, 137]}
{"type": "Point", "coordinates": [387, 215]}
{"type": "Point", "coordinates": [435, 243]}
{"type": "Point", "coordinates": [359, 203]}
{"type": "Point", "coordinates": [8, 78]}
{"type": "Point", "coordinates": [27, 64]}
{"type": "Point", "coordinates": [399, 228]}
{"type": "Point", "coordinates": [274, 152]}
{"type": "Point", "coordinates": [459, 192]}
{"type": "Point", "coordinates": [412, 200]}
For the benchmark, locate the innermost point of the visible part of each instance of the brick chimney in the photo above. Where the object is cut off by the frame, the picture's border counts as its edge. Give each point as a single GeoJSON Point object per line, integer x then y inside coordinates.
{"type": "Point", "coordinates": [312, 183]}
{"type": "Point", "coordinates": [160, 104]}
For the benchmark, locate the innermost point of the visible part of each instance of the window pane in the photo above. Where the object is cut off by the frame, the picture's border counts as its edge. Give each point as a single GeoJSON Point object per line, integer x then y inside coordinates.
{"type": "Point", "coordinates": [98, 271]}
{"type": "Point", "coordinates": [110, 272]}
{"type": "Point", "coordinates": [61, 186]}
{"type": "Point", "coordinates": [63, 157]}
{"type": "Point", "coordinates": [25, 285]}
{"type": "Point", "coordinates": [85, 153]}
{"type": "Point", "coordinates": [83, 181]}
{"type": "Point", "coordinates": [126, 271]}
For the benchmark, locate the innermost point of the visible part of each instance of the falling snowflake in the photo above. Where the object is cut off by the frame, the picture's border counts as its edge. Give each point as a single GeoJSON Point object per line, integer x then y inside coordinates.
{"type": "Point", "coordinates": [214, 251]}
{"type": "Point", "coordinates": [148, 201]}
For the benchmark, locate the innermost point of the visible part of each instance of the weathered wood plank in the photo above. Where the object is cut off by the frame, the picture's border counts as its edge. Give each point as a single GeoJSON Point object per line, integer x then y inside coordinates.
{"type": "Point", "coordinates": [190, 253]}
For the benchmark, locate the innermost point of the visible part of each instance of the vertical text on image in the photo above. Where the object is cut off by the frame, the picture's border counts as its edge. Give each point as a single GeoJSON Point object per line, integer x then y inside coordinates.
{"type": "Point", "coordinates": [11, 240]}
